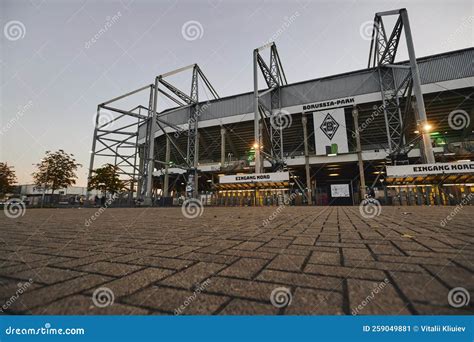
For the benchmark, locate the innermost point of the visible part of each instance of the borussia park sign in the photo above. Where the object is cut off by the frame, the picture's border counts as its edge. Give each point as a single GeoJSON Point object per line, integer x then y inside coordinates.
{"type": "Point", "coordinates": [429, 169]}
{"type": "Point", "coordinates": [255, 178]}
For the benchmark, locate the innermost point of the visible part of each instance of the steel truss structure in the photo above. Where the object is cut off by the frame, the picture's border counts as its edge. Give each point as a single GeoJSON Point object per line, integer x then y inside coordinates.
{"type": "Point", "coordinates": [269, 120]}
{"type": "Point", "coordinates": [137, 167]}
{"type": "Point", "coordinates": [383, 49]}
{"type": "Point", "coordinates": [116, 139]}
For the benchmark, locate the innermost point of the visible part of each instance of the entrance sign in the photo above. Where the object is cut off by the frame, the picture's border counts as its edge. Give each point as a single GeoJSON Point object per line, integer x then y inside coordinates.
{"type": "Point", "coordinates": [330, 130]}
{"type": "Point", "coordinates": [340, 190]}
{"type": "Point", "coordinates": [255, 178]}
{"type": "Point", "coordinates": [429, 169]}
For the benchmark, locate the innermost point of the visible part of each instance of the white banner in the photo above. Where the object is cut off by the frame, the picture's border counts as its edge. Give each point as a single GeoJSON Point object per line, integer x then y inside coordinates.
{"type": "Point", "coordinates": [429, 169]}
{"type": "Point", "coordinates": [255, 178]}
{"type": "Point", "coordinates": [330, 128]}
{"type": "Point", "coordinates": [340, 190]}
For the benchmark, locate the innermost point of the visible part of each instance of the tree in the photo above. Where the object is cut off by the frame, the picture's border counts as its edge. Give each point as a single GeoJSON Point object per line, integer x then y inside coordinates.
{"type": "Point", "coordinates": [7, 178]}
{"type": "Point", "coordinates": [56, 170]}
{"type": "Point", "coordinates": [106, 179]}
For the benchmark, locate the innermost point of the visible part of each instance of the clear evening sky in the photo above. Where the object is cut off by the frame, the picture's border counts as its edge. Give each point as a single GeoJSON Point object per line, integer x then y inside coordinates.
{"type": "Point", "coordinates": [54, 72]}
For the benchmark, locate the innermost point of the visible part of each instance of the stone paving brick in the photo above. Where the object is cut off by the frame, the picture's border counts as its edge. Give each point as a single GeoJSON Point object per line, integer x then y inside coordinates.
{"type": "Point", "coordinates": [326, 258]}
{"type": "Point", "coordinates": [193, 275]}
{"type": "Point", "coordinates": [47, 294]}
{"type": "Point", "coordinates": [384, 266]}
{"type": "Point", "coordinates": [134, 250]}
{"type": "Point", "coordinates": [178, 251]}
{"type": "Point", "coordinates": [245, 268]}
{"type": "Point", "coordinates": [247, 307]}
{"type": "Point", "coordinates": [214, 258]}
{"type": "Point", "coordinates": [300, 279]}
{"type": "Point", "coordinates": [307, 241]}
{"type": "Point", "coordinates": [135, 281]}
{"type": "Point", "coordinates": [185, 302]}
{"type": "Point", "coordinates": [249, 254]}
{"type": "Point", "coordinates": [285, 262]}
{"type": "Point", "coordinates": [278, 243]}
{"type": "Point", "coordinates": [84, 261]}
{"type": "Point", "coordinates": [240, 288]}
{"type": "Point", "coordinates": [83, 305]}
{"type": "Point", "coordinates": [421, 287]}
{"type": "Point", "coordinates": [424, 309]}
{"type": "Point", "coordinates": [160, 262]}
{"type": "Point", "coordinates": [15, 269]}
{"type": "Point", "coordinates": [249, 245]}
{"type": "Point", "coordinates": [345, 272]}
{"type": "Point", "coordinates": [415, 260]}
{"type": "Point", "coordinates": [9, 288]}
{"type": "Point", "coordinates": [110, 268]}
{"type": "Point", "coordinates": [47, 275]}
{"type": "Point", "coordinates": [357, 254]}
{"type": "Point", "coordinates": [375, 298]}
{"type": "Point", "coordinates": [453, 276]}
{"type": "Point", "coordinates": [315, 302]}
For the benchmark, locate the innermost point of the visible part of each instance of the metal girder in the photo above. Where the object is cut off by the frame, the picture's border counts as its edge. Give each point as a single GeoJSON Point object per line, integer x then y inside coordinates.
{"type": "Point", "coordinates": [176, 91]}
{"type": "Point", "coordinates": [383, 50]}
{"type": "Point", "coordinates": [274, 77]}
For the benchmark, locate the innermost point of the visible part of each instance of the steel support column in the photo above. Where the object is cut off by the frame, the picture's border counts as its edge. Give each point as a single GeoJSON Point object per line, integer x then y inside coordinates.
{"type": "Point", "coordinates": [304, 122]}
{"type": "Point", "coordinates": [420, 103]}
{"type": "Point", "coordinates": [167, 161]}
{"type": "Point", "coordinates": [360, 162]}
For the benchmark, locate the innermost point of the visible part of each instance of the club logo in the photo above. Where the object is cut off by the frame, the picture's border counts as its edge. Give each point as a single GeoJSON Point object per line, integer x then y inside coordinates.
{"type": "Point", "coordinates": [329, 126]}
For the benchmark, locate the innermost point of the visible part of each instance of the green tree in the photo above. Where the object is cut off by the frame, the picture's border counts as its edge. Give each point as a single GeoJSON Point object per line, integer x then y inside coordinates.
{"type": "Point", "coordinates": [56, 170]}
{"type": "Point", "coordinates": [7, 178]}
{"type": "Point", "coordinates": [106, 179]}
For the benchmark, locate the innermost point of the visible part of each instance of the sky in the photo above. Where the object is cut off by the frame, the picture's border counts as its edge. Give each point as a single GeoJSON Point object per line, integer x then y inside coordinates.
{"type": "Point", "coordinates": [60, 59]}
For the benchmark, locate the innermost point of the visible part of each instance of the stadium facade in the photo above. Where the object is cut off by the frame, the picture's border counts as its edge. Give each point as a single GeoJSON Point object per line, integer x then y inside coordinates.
{"type": "Point", "coordinates": [399, 131]}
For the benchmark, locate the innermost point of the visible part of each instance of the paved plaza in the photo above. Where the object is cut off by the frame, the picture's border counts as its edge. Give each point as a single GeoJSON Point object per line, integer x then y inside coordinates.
{"type": "Point", "coordinates": [252, 261]}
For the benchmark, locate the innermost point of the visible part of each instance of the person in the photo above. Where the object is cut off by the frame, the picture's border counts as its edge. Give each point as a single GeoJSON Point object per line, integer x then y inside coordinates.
{"type": "Point", "coordinates": [96, 200]}
{"type": "Point", "coordinates": [102, 200]}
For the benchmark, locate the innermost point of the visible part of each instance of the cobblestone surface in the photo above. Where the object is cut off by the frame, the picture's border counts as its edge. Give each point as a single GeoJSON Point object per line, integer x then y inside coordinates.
{"type": "Point", "coordinates": [331, 260]}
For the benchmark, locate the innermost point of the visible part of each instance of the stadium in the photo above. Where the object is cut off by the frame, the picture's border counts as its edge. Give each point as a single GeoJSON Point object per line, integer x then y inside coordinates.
{"type": "Point", "coordinates": [398, 131]}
